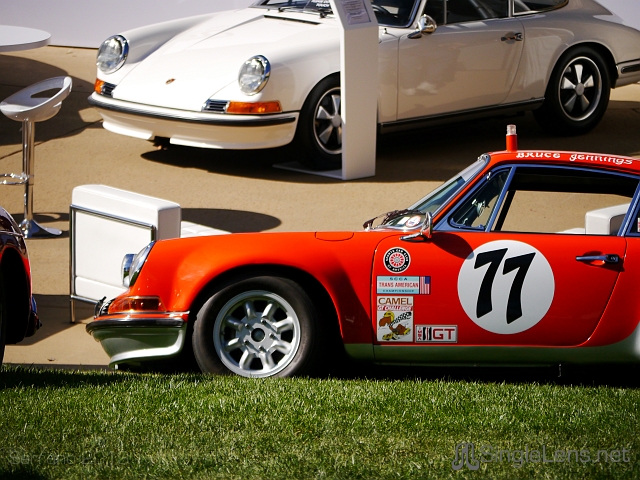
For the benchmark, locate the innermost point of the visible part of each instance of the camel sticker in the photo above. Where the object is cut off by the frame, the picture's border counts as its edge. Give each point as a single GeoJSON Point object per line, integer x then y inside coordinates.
{"type": "Point", "coordinates": [395, 319]}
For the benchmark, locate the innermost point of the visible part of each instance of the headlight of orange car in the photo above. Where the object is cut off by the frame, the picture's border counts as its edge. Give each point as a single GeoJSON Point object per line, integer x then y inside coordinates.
{"type": "Point", "coordinates": [131, 265]}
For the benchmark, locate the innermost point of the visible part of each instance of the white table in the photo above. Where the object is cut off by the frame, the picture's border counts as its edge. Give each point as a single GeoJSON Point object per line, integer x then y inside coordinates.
{"type": "Point", "coordinates": [13, 39]}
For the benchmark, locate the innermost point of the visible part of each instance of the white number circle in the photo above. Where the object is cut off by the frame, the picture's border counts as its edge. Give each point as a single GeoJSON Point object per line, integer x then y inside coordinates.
{"type": "Point", "coordinates": [506, 286]}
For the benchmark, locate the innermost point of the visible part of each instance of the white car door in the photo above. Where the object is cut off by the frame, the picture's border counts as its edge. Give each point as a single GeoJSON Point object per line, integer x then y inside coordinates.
{"type": "Point", "coordinates": [469, 62]}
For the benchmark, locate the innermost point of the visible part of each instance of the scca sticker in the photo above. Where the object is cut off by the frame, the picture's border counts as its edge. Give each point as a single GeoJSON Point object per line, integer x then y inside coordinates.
{"type": "Point", "coordinates": [397, 260]}
{"type": "Point", "coordinates": [505, 286]}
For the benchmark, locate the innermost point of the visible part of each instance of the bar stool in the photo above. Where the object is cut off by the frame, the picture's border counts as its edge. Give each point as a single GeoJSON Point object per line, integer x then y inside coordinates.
{"type": "Point", "coordinates": [30, 105]}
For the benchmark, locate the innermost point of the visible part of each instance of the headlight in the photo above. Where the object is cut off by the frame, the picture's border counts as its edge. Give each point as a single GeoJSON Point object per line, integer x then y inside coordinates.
{"type": "Point", "coordinates": [112, 54]}
{"type": "Point", "coordinates": [131, 267]}
{"type": "Point", "coordinates": [254, 75]}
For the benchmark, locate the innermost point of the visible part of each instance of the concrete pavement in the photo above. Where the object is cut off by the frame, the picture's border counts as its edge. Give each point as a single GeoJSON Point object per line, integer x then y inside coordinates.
{"type": "Point", "coordinates": [235, 191]}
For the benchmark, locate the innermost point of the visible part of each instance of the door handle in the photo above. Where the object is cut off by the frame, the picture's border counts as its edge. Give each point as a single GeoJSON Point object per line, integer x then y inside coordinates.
{"type": "Point", "coordinates": [518, 37]}
{"type": "Point", "coordinates": [608, 258]}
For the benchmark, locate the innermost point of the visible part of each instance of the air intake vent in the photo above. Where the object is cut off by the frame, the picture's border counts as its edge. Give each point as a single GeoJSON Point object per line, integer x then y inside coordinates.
{"type": "Point", "coordinates": [215, 106]}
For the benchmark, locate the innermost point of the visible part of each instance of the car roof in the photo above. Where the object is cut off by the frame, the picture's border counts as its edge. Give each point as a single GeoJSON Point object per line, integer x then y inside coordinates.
{"type": "Point", "coordinates": [551, 157]}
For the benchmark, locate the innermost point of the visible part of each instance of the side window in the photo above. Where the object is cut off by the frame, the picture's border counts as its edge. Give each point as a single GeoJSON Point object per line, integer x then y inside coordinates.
{"type": "Point", "coordinates": [566, 201]}
{"type": "Point", "coordinates": [476, 210]}
{"type": "Point", "coordinates": [459, 11]}
{"type": "Point", "coordinates": [435, 9]}
{"type": "Point", "coordinates": [634, 228]}
{"type": "Point", "coordinates": [534, 6]}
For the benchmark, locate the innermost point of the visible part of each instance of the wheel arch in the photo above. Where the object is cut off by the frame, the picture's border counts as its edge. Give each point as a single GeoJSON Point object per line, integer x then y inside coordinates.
{"type": "Point", "coordinates": [599, 48]}
{"type": "Point", "coordinates": [319, 295]}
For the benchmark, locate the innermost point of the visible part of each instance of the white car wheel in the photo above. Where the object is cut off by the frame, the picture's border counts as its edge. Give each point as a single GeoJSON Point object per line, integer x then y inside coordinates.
{"type": "Point", "coordinates": [319, 132]}
{"type": "Point", "coordinates": [577, 95]}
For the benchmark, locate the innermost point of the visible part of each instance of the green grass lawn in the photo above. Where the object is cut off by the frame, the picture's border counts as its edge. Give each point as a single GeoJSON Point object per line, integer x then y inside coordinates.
{"type": "Point", "coordinates": [61, 424]}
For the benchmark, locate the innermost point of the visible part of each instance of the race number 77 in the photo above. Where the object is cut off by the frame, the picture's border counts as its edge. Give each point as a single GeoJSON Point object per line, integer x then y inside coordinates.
{"type": "Point", "coordinates": [494, 258]}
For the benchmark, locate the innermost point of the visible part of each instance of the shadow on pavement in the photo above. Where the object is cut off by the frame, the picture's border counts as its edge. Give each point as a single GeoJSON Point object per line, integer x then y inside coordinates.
{"type": "Point", "coordinates": [235, 221]}
{"type": "Point", "coordinates": [434, 154]}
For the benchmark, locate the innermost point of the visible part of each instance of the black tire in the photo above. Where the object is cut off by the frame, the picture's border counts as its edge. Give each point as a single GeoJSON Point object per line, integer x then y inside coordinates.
{"type": "Point", "coordinates": [319, 132]}
{"type": "Point", "coordinates": [279, 337]}
{"type": "Point", "coordinates": [577, 95]}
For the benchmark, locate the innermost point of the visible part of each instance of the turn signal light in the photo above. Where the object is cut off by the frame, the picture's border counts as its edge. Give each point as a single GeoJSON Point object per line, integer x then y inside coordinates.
{"type": "Point", "coordinates": [97, 87]}
{"type": "Point", "coordinates": [254, 108]}
{"type": "Point", "coordinates": [136, 304]}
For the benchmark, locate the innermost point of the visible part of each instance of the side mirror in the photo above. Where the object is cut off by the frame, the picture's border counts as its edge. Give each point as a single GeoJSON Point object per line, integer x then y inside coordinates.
{"type": "Point", "coordinates": [426, 229]}
{"type": "Point", "coordinates": [426, 24]}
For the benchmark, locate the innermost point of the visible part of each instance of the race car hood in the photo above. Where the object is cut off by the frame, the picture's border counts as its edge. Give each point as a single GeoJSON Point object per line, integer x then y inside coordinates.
{"type": "Point", "coordinates": [194, 65]}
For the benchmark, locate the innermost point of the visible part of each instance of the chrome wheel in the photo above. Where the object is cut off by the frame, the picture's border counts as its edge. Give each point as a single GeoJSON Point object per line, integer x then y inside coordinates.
{"type": "Point", "coordinates": [256, 334]}
{"type": "Point", "coordinates": [580, 88]}
{"type": "Point", "coordinates": [328, 122]}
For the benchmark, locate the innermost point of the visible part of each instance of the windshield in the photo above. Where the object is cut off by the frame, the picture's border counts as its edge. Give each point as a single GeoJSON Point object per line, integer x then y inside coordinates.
{"type": "Point", "coordinates": [391, 13]}
{"type": "Point", "coordinates": [412, 216]}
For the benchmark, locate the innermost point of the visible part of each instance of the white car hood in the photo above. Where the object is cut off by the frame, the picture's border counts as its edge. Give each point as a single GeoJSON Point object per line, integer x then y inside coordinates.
{"type": "Point", "coordinates": [194, 65]}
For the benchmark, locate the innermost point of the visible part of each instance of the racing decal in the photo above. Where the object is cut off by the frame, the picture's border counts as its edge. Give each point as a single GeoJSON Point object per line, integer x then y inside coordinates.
{"type": "Point", "coordinates": [436, 334]}
{"type": "Point", "coordinates": [538, 155]}
{"type": "Point", "coordinates": [505, 286]}
{"type": "Point", "coordinates": [413, 221]}
{"type": "Point", "coordinates": [395, 319]}
{"type": "Point", "coordinates": [397, 260]}
{"type": "Point", "coordinates": [404, 285]}
{"type": "Point", "coordinates": [600, 159]}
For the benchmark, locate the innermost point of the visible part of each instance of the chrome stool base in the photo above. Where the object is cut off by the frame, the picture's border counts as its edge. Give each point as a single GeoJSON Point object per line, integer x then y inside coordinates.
{"type": "Point", "coordinates": [32, 229]}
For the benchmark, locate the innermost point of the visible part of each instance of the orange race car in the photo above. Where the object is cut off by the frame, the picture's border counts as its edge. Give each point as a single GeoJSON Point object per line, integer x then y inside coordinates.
{"type": "Point", "coordinates": [525, 257]}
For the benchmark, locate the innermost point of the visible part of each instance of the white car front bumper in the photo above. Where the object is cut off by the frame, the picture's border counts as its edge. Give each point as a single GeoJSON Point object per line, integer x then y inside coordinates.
{"type": "Point", "coordinates": [196, 129]}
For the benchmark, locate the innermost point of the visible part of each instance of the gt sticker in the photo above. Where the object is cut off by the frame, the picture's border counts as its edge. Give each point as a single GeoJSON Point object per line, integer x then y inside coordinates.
{"type": "Point", "coordinates": [436, 334]}
{"type": "Point", "coordinates": [394, 319]}
{"type": "Point", "coordinates": [397, 260]}
{"type": "Point", "coordinates": [505, 286]}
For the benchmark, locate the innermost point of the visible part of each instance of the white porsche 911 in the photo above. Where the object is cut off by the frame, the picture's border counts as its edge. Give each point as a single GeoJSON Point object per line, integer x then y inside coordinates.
{"type": "Point", "coordinates": [268, 75]}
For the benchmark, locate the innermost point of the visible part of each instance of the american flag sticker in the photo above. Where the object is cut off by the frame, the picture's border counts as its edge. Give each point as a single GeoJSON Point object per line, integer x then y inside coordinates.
{"type": "Point", "coordinates": [425, 285]}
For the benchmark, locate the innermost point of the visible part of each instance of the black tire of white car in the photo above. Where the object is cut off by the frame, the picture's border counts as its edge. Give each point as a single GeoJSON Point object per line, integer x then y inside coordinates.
{"type": "Point", "coordinates": [319, 133]}
{"type": "Point", "coordinates": [258, 327]}
{"type": "Point", "coordinates": [577, 95]}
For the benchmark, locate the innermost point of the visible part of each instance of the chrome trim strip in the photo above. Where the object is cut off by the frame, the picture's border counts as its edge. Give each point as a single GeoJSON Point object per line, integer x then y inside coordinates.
{"type": "Point", "coordinates": [193, 117]}
{"type": "Point", "coordinates": [465, 115]}
{"type": "Point", "coordinates": [134, 323]}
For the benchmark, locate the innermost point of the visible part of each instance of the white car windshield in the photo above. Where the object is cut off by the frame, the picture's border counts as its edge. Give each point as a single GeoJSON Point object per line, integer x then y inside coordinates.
{"type": "Point", "coordinates": [391, 13]}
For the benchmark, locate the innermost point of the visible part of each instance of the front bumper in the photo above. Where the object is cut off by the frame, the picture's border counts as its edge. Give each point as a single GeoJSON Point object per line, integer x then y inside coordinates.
{"type": "Point", "coordinates": [140, 337]}
{"type": "Point", "coordinates": [196, 129]}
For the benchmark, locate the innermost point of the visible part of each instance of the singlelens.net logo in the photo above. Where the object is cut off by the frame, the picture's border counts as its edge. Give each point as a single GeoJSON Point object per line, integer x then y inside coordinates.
{"type": "Point", "coordinates": [466, 455]}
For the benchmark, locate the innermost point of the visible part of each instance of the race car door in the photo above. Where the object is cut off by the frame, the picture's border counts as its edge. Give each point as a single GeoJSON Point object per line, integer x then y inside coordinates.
{"type": "Point", "coordinates": [529, 258]}
{"type": "Point", "coordinates": [469, 62]}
